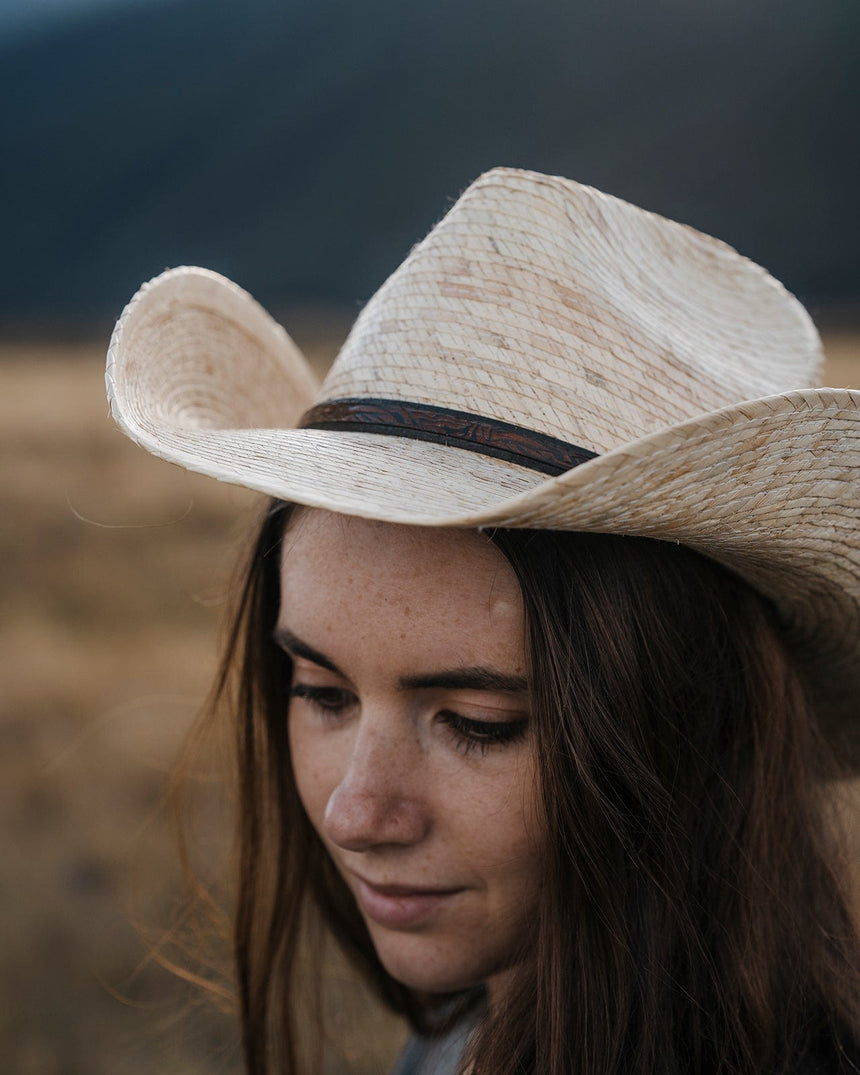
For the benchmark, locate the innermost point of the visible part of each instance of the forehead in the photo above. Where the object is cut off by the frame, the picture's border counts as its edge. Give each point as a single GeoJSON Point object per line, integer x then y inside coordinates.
{"type": "Point", "coordinates": [447, 594]}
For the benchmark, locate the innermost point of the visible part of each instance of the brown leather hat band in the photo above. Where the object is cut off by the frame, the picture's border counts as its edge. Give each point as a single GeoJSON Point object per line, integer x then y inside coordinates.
{"type": "Point", "coordinates": [456, 429]}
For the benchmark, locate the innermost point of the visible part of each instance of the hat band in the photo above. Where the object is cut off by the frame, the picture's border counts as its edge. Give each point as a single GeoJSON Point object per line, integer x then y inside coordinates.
{"type": "Point", "coordinates": [456, 429]}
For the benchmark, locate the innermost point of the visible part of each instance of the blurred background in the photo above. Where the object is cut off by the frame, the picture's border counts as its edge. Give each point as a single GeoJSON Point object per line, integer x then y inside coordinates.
{"type": "Point", "coordinates": [300, 147]}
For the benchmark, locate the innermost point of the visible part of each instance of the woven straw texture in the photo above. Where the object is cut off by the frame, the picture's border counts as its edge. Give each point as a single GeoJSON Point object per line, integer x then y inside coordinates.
{"type": "Point", "coordinates": [546, 304]}
{"type": "Point", "coordinates": [550, 305]}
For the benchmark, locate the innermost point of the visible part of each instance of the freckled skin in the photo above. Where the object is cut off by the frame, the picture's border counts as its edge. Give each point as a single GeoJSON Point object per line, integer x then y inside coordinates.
{"type": "Point", "coordinates": [395, 793]}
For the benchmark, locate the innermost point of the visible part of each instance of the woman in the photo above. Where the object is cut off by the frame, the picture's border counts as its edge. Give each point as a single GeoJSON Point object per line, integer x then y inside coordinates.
{"type": "Point", "coordinates": [557, 597]}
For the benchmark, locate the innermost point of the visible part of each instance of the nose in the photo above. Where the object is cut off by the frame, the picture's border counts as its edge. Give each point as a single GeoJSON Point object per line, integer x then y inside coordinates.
{"type": "Point", "coordinates": [378, 800]}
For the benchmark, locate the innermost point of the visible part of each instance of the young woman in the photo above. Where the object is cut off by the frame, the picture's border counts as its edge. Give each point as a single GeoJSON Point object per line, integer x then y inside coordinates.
{"type": "Point", "coordinates": [548, 647]}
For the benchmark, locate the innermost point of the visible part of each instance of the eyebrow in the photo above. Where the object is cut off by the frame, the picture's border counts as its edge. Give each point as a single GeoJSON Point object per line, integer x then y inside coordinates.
{"type": "Point", "coordinates": [475, 678]}
{"type": "Point", "coordinates": [296, 648]}
{"type": "Point", "coordinates": [467, 679]}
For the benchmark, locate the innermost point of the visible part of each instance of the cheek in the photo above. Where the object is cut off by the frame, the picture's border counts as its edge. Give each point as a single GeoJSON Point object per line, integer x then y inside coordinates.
{"type": "Point", "coordinates": [519, 861]}
{"type": "Point", "coordinates": [527, 842]}
{"type": "Point", "coordinates": [314, 772]}
{"type": "Point", "coordinates": [502, 829]}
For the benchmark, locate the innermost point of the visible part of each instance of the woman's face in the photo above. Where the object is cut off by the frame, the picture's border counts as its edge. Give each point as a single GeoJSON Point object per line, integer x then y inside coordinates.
{"type": "Point", "coordinates": [410, 739]}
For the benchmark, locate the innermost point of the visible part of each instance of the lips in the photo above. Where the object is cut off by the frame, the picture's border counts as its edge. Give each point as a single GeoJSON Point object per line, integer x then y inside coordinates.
{"type": "Point", "coordinates": [400, 906]}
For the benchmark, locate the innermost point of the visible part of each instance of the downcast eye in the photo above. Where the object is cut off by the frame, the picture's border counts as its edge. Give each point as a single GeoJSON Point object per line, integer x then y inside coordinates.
{"type": "Point", "coordinates": [482, 734]}
{"type": "Point", "coordinates": [329, 699]}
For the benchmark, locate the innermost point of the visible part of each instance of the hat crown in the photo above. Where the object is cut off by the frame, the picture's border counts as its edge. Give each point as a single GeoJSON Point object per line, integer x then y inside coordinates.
{"type": "Point", "coordinates": [547, 304]}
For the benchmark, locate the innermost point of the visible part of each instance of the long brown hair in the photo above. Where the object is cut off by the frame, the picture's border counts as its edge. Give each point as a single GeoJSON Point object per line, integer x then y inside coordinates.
{"type": "Point", "coordinates": [694, 914]}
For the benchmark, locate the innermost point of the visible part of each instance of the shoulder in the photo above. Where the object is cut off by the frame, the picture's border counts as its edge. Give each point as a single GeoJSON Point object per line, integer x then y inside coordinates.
{"type": "Point", "coordinates": [442, 1055]}
{"type": "Point", "coordinates": [436, 1055]}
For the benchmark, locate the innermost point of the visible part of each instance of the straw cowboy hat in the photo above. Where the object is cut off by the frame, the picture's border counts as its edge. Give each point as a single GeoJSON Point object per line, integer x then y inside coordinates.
{"type": "Point", "coordinates": [548, 357]}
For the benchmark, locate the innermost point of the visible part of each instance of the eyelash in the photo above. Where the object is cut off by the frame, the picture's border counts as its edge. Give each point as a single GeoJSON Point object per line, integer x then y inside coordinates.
{"type": "Point", "coordinates": [480, 735]}
{"type": "Point", "coordinates": [331, 700]}
{"type": "Point", "coordinates": [470, 735]}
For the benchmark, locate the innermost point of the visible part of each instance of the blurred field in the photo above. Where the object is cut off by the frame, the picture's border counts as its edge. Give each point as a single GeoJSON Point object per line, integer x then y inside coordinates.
{"type": "Point", "coordinates": [115, 571]}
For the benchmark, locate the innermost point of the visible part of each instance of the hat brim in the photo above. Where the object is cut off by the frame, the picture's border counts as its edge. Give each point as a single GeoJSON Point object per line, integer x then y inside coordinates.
{"type": "Point", "coordinates": [767, 487]}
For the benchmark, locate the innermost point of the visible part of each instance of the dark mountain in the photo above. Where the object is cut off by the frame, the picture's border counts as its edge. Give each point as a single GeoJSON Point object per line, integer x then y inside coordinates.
{"type": "Point", "coordinates": [302, 146]}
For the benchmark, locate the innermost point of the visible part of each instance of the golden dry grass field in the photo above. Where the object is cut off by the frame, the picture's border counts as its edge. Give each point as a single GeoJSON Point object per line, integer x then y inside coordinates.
{"type": "Point", "coordinates": [115, 571]}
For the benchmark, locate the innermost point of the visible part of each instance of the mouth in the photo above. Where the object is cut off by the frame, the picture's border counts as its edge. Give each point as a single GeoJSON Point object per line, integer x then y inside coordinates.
{"type": "Point", "coordinates": [401, 906]}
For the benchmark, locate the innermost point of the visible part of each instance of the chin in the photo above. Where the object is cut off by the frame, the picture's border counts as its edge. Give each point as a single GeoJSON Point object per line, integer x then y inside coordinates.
{"type": "Point", "coordinates": [428, 966]}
